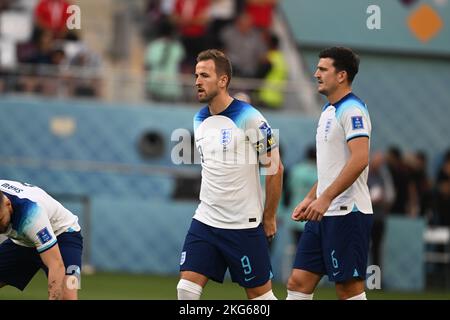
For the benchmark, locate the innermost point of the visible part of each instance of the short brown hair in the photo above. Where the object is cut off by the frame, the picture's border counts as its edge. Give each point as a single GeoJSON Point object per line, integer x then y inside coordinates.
{"type": "Point", "coordinates": [344, 59]}
{"type": "Point", "coordinates": [221, 61]}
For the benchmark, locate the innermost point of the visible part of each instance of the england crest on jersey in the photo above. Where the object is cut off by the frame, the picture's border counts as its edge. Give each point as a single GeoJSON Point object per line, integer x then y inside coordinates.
{"type": "Point", "coordinates": [183, 258]}
{"type": "Point", "coordinates": [225, 136]}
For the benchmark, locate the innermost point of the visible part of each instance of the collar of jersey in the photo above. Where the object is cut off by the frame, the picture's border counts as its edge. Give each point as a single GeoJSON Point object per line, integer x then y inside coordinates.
{"type": "Point", "coordinates": [224, 112]}
{"type": "Point", "coordinates": [339, 103]}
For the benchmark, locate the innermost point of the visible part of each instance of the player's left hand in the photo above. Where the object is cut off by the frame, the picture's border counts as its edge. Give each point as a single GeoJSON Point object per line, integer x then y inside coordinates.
{"type": "Point", "coordinates": [316, 209]}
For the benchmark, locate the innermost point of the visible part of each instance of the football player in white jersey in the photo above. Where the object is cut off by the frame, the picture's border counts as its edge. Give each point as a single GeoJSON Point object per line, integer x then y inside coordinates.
{"type": "Point", "coordinates": [338, 209]}
{"type": "Point", "coordinates": [232, 225]}
{"type": "Point", "coordinates": [41, 234]}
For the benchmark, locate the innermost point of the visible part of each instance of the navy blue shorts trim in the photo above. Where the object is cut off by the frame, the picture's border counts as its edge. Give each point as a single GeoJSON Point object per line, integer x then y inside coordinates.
{"type": "Point", "coordinates": [19, 264]}
{"type": "Point", "coordinates": [337, 246]}
{"type": "Point", "coordinates": [211, 251]}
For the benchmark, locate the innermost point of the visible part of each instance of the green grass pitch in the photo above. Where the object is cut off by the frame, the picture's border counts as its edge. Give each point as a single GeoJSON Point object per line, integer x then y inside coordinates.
{"type": "Point", "coordinates": [119, 286]}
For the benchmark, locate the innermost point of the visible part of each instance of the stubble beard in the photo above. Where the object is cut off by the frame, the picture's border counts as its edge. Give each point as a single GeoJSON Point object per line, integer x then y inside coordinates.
{"type": "Point", "coordinates": [207, 98]}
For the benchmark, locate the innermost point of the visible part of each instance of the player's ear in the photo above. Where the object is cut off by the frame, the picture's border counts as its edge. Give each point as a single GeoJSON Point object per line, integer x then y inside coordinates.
{"type": "Point", "coordinates": [223, 81]}
{"type": "Point", "coordinates": [342, 76]}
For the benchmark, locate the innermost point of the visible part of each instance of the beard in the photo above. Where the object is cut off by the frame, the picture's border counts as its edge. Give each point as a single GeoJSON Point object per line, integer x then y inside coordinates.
{"type": "Point", "coordinates": [323, 92]}
{"type": "Point", "coordinates": [206, 98]}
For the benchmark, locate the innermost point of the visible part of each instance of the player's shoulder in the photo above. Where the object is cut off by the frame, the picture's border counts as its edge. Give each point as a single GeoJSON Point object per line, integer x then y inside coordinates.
{"type": "Point", "coordinates": [202, 114]}
{"type": "Point", "coordinates": [349, 103]}
{"type": "Point", "coordinates": [244, 114]}
{"type": "Point", "coordinates": [353, 100]}
{"type": "Point", "coordinates": [245, 109]}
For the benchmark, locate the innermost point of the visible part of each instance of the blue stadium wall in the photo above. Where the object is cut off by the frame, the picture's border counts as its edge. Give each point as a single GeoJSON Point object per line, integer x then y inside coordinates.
{"type": "Point", "coordinates": [321, 23]}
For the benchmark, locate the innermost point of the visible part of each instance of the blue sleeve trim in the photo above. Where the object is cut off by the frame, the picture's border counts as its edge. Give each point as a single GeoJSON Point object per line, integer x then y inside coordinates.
{"type": "Point", "coordinates": [357, 136]}
{"type": "Point", "coordinates": [50, 245]}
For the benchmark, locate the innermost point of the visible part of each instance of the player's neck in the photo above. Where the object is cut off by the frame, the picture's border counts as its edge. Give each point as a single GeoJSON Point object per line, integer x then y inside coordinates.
{"type": "Point", "coordinates": [338, 95]}
{"type": "Point", "coordinates": [220, 103]}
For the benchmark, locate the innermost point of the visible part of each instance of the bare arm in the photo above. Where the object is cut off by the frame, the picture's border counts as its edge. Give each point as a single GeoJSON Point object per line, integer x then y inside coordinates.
{"type": "Point", "coordinates": [274, 184]}
{"type": "Point", "coordinates": [358, 161]}
{"type": "Point", "coordinates": [56, 272]}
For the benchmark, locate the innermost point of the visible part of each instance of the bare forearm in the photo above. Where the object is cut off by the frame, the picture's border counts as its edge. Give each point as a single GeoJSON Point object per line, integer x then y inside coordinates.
{"type": "Point", "coordinates": [312, 194]}
{"type": "Point", "coordinates": [56, 283]}
{"type": "Point", "coordinates": [274, 184]}
{"type": "Point", "coordinates": [347, 177]}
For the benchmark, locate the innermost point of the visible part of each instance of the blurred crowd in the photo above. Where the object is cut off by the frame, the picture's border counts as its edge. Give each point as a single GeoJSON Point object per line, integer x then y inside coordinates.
{"type": "Point", "coordinates": [40, 55]}
{"type": "Point", "coordinates": [177, 30]}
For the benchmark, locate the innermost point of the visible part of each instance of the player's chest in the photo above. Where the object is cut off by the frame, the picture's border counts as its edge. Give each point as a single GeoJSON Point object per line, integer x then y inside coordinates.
{"type": "Point", "coordinates": [329, 129]}
{"type": "Point", "coordinates": [219, 139]}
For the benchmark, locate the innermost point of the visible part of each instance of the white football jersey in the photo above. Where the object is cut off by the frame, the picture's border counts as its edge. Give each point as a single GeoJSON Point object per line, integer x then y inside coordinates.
{"type": "Point", "coordinates": [339, 123]}
{"type": "Point", "coordinates": [229, 144]}
{"type": "Point", "coordinates": [37, 218]}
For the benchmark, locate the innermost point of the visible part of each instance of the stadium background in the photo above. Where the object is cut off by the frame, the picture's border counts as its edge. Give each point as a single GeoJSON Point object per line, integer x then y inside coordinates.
{"type": "Point", "coordinates": [107, 154]}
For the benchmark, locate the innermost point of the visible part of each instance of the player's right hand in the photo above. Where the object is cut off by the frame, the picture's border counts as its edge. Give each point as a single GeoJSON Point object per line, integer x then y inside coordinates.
{"type": "Point", "coordinates": [300, 208]}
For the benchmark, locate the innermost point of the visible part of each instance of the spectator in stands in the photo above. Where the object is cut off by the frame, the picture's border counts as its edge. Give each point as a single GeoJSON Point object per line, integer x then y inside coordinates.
{"type": "Point", "coordinates": [240, 6]}
{"type": "Point", "coordinates": [442, 174]}
{"type": "Point", "coordinates": [43, 57]}
{"type": "Point", "coordinates": [442, 194]}
{"type": "Point", "coordinates": [422, 184]}
{"type": "Point", "coordinates": [404, 189]}
{"type": "Point", "coordinates": [153, 16]}
{"type": "Point", "coordinates": [156, 12]}
{"type": "Point", "coordinates": [261, 12]}
{"type": "Point", "coordinates": [163, 59]}
{"type": "Point", "coordinates": [271, 95]}
{"type": "Point", "coordinates": [222, 14]}
{"type": "Point", "coordinates": [382, 195]}
{"type": "Point", "coordinates": [192, 17]}
{"type": "Point", "coordinates": [245, 47]}
{"type": "Point", "coordinates": [83, 73]}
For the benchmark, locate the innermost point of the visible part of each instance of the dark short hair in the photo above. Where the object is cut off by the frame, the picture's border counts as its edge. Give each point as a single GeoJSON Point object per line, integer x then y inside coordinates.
{"type": "Point", "coordinates": [221, 61]}
{"type": "Point", "coordinates": [344, 59]}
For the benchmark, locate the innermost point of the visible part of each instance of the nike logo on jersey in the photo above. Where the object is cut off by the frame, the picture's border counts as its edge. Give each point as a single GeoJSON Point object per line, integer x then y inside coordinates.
{"type": "Point", "coordinates": [335, 273]}
{"type": "Point", "coordinates": [248, 279]}
{"type": "Point", "coordinates": [197, 140]}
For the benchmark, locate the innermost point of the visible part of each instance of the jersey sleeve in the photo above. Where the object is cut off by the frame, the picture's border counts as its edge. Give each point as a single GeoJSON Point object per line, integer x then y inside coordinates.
{"type": "Point", "coordinates": [356, 123]}
{"type": "Point", "coordinates": [39, 230]}
{"type": "Point", "coordinates": [260, 133]}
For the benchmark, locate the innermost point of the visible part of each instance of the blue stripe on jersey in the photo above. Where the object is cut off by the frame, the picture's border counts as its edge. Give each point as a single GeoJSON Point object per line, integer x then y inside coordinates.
{"type": "Point", "coordinates": [347, 101]}
{"type": "Point", "coordinates": [238, 111]}
{"type": "Point", "coordinates": [24, 212]}
{"type": "Point", "coordinates": [357, 136]}
{"type": "Point", "coordinates": [201, 116]}
{"type": "Point", "coordinates": [350, 101]}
